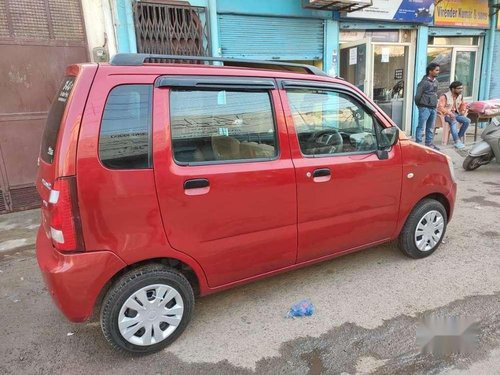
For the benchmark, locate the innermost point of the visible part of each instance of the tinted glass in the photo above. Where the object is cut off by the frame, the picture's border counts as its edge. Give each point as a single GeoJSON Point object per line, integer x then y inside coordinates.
{"type": "Point", "coordinates": [125, 139]}
{"type": "Point", "coordinates": [329, 122]}
{"type": "Point", "coordinates": [221, 125]}
{"type": "Point", "coordinates": [54, 118]}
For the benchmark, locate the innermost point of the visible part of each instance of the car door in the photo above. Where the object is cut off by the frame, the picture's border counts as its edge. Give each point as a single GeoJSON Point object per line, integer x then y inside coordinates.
{"type": "Point", "coordinates": [225, 179]}
{"type": "Point", "coordinates": [347, 196]}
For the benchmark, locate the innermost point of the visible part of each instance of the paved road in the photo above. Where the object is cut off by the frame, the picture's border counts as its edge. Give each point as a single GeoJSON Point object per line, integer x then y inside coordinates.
{"type": "Point", "coordinates": [368, 306]}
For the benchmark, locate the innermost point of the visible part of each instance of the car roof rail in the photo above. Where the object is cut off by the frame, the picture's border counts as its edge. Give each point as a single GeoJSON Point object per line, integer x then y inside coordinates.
{"type": "Point", "coordinates": [135, 59]}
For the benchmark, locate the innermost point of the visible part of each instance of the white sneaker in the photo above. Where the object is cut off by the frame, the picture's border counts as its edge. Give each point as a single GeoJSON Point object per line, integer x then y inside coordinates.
{"type": "Point", "coordinates": [459, 145]}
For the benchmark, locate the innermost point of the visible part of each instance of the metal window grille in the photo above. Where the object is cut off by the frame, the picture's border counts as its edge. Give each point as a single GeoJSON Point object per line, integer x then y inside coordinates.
{"type": "Point", "coordinates": [171, 29]}
{"type": "Point", "coordinates": [3, 203]}
{"type": "Point", "coordinates": [24, 198]}
{"type": "Point", "coordinates": [41, 20]}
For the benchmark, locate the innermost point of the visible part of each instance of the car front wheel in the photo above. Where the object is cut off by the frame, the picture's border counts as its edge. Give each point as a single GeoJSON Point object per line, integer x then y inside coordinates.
{"type": "Point", "coordinates": [424, 229]}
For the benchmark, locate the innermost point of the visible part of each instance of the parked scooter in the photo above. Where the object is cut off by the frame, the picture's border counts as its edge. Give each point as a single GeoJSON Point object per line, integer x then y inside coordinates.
{"type": "Point", "coordinates": [486, 150]}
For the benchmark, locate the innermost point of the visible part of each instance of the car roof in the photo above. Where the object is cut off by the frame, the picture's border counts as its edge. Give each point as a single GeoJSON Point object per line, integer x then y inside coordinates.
{"type": "Point", "coordinates": [214, 70]}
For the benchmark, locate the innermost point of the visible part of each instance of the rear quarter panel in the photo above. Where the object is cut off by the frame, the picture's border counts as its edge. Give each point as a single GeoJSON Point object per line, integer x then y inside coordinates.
{"type": "Point", "coordinates": [70, 127]}
{"type": "Point", "coordinates": [64, 160]}
{"type": "Point", "coordinates": [119, 207]}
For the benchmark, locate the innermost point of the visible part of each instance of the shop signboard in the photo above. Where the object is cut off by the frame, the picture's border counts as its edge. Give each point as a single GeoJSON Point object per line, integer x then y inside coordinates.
{"type": "Point", "coordinates": [462, 13]}
{"type": "Point", "coordinates": [417, 11]}
{"type": "Point", "coordinates": [335, 4]}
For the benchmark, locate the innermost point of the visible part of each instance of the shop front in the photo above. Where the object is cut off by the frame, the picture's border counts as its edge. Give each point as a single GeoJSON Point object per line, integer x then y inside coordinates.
{"type": "Point", "coordinates": [456, 43]}
{"type": "Point", "coordinates": [380, 63]}
{"type": "Point", "coordinates": [275, 30]}
{"type": "Point", "coordinates": [378, 53]}
{"type": "Point", "coordinates": [385, 48]}
{"type": "Point", "coordinates": [280, 30]}
{"type": "Point", "coordinates": [381, 46]}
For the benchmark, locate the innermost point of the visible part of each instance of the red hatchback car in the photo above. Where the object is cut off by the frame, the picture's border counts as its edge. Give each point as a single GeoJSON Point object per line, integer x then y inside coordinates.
{"type": "Point", "coordinates": [165, 181]}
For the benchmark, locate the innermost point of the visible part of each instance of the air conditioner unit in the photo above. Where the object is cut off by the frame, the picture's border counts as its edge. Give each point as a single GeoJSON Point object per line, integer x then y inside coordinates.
{"type": "Point", "coordinates": [342, 5]}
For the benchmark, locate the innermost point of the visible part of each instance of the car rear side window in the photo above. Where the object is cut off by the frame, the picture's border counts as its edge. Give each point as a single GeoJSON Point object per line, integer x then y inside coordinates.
{"type": "Point", "coordinates": [54, 119]}
{"type": "Point", "coordinates": [222, 125]}
{"type": "Point", "coordinates": [125, 137]}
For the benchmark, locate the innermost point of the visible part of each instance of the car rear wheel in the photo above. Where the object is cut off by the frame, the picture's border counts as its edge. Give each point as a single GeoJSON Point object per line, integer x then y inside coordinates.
{"type": "Point", "coordinates": [147, 309]}
{"type": "Point", "coordinates": [424, 229]}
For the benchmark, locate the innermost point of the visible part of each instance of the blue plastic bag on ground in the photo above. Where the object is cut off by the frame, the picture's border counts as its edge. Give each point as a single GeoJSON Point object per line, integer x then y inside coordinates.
{"type": "Point", "coordinates": [300, 309]}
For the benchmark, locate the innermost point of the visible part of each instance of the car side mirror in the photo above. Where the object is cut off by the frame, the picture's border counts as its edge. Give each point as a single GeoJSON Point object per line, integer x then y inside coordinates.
{"type": "Point", "coordinates": [388, 137]}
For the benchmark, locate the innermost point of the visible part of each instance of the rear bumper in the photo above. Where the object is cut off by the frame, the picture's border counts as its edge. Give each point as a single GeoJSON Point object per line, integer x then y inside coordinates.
{"type": "Point", "coordinates": [75, 280]}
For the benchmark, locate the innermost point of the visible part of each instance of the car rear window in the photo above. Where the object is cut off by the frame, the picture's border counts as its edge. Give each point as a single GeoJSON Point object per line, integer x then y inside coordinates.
{"type": "Point", "coordinates": [125, 137]}
{"type": "Point", "coordinates": [54, 118]}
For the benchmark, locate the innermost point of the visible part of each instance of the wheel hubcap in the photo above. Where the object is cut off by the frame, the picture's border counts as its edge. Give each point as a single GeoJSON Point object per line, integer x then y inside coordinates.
{"type": "Point", "coordinates": [429, 230]}
{"type": "Point", "coordinates": [150, 315]}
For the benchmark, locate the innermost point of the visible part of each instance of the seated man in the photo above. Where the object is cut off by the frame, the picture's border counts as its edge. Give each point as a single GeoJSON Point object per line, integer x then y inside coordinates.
{"type": "Point", "coordinates": [454, 109]}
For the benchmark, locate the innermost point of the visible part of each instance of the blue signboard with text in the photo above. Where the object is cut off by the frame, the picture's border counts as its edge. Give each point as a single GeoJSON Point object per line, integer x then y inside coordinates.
{"type": "Point", "coordinates": [416, 11]}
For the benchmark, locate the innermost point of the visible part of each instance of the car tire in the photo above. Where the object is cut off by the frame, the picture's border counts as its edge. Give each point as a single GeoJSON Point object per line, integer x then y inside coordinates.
{"type": "Point", "coordinates": [146, 309]}
{"type": "Point", "coordinates": [424, 229]}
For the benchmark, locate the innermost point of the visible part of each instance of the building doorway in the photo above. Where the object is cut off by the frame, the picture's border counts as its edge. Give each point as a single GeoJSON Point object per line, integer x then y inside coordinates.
{"type": "Point", "coordinates": [459, 59]}
{"type": "Point", "coordinates": [381, 64]}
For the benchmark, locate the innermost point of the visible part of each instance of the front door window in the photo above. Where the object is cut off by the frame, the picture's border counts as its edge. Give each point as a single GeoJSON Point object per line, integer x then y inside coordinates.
{"type": "Point", "coordinates": [330, 123]}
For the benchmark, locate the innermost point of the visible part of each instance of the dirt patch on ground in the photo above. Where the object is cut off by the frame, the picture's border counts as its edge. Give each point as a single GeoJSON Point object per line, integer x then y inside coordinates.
{"type": "Point", "coordinates": [480, 200]}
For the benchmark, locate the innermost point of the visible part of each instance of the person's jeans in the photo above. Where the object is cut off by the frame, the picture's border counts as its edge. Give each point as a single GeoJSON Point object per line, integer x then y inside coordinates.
{"type": "Point", "coordinates": [465, 121]}
{"type": "Point", "coordinates": [427, 119]}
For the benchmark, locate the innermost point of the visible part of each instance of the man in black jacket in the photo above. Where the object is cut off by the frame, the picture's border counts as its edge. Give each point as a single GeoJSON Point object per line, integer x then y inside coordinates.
{"type": "Point", "coordinates": [426, 100]}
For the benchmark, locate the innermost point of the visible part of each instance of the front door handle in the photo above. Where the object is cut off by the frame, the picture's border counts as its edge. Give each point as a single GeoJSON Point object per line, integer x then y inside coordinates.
{"type": "Point", "coordinates": [196, 183]}
{"type": "Point", "coordinates": [322, 172]}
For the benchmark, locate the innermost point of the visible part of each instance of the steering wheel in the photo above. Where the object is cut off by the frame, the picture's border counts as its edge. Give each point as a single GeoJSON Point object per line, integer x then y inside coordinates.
{"type": "Point", "coordinates": [332, 144]}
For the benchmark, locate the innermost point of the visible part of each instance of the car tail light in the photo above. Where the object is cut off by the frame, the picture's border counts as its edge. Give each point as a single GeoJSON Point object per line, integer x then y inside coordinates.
{"type": "Point", "coordinates": [64, 216]}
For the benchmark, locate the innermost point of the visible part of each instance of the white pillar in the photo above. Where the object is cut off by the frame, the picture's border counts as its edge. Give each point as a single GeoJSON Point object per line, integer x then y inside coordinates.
{"type": "Point", "coordinates": [99, 26]}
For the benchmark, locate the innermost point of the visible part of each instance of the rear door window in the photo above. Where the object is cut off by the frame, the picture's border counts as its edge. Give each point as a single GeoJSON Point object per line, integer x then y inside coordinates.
{"type": "Point", "coordinates": [125, 137]}
{"type": "Point", "coordinates": [54, 118]}
{"type": "Point", "coordinates": [210, 126]}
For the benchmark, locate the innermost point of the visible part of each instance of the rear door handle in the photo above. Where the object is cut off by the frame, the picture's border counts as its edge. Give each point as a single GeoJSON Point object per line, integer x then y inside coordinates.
{"type": "Point", "coordinates": [322, 172]}
{"type": "Point", "coordinates": [196, 183]}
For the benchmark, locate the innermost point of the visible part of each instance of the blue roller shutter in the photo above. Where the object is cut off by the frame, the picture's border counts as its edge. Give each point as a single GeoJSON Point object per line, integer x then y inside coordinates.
{"type": "Point", "coordinates": [271, 38]}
